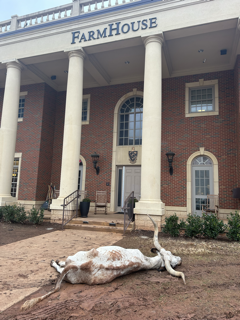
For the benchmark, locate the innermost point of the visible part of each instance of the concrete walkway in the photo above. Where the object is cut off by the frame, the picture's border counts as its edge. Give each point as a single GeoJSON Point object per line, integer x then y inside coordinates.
{"type": "Point", "coordinates": [25, 265]}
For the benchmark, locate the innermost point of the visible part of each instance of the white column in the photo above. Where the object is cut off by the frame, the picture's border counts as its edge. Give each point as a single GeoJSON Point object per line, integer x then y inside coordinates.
{"type": "Point", "coordinates": [72, 127]}
{"type": "Point", "coordinates": [150, 202]}
{"type": "Point", "coordinates": [8, 131]}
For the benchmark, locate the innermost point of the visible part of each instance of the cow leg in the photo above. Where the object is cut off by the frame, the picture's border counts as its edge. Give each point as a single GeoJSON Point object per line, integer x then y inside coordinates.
{"type": "Point", "coordinates": [56, 266]}
{"type": "Point", "coordinates": [61, 263]}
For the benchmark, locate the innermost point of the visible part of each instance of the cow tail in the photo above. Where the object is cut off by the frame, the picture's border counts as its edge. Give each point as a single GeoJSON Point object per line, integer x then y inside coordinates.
{"type": "Point", "coordinates": [30, 303]}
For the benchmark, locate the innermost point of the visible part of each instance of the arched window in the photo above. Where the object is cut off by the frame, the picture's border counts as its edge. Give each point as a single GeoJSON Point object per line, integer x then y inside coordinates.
{"type": "Point", "coordinates": [130, 122]}
{"type": "Point", "coordinates": [202, 182]}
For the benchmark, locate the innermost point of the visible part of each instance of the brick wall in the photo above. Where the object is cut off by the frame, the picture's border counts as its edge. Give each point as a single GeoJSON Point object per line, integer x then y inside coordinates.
{"type": "Point", "coordinates": [46, 144]}
{"type": "Point", "coordinates": [237, 105]}
{"type": "Point", "coordinates": [35, 141]}
{"type": "Point", "coordinates": [97, 136]}
{"type": "Point", "coordinates": [184, 136]}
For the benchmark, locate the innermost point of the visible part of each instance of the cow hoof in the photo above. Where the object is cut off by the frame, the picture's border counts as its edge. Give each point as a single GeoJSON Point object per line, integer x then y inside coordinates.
{"type": "Point", "coordinates": [57, 261]}
{"type": "Point", "coordinates": [51, 263]}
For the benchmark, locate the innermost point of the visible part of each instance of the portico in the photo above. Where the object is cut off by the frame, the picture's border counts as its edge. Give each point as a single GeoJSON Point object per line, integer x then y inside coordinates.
{"type": "Point", "coordinates": [77, 69]}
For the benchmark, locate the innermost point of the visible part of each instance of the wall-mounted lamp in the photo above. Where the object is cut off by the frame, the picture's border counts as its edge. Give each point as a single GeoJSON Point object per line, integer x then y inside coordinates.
{"type": "Point", "coordinates": [95, 158]}
{"type": "Point", "coordinates": [170, 156]}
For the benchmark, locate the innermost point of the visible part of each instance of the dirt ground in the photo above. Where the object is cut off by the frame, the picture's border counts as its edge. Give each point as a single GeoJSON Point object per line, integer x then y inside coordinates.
{"type": "Point", "coordinates": [212, 291]}
{"type": "Point", "coordinates": [12, 232]}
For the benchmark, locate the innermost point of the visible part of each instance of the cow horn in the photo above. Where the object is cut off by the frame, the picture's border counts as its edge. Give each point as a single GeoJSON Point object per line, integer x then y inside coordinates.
{"type": "Point", "coordinates": [155, 237]}
{"type": "Point", "coordinates": [166, 261]}
{"type": "Point", "coordinates": [173, 272]}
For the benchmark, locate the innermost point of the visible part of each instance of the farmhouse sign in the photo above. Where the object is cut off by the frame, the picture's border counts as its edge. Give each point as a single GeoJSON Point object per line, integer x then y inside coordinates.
{"type": "Point", "coordinates": [114, 29]}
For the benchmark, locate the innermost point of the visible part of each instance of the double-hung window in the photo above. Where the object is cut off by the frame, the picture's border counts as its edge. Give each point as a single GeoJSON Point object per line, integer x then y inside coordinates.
{"type": "Point", "coordinates": [201, 98]}
{"type": "Point", "coordinates": [86, 109]}
{"type": "Point", "coordinates": [21, 106]}
{"type": "Point", "coordinates": [15, 173]}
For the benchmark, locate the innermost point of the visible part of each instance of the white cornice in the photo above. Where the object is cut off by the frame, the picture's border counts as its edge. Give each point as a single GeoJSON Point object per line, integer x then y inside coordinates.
{"type": "Point", "coordinates": [101, 19]}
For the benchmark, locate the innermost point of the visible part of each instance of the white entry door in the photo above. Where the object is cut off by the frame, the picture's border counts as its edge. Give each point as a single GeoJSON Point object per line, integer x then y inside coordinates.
{"type": "Point", "coordinates": [129, 179]}
{"type": "Point", "coordinates": [202, 186]}
{"type": "Point", "coordinates": [132, 181]}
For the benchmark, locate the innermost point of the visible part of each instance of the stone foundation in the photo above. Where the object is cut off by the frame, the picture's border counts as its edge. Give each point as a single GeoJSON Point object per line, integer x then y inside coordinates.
{"type": "Point", "coordinates": [29, 204]}
{"type": "Point", "coordinates": [144, 223]}
{"type": "Point", "coordinates": [181, 212]}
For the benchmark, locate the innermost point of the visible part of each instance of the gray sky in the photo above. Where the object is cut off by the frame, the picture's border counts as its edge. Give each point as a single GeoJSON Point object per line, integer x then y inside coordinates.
{"type": "Point", "coordinates": [21, 7]}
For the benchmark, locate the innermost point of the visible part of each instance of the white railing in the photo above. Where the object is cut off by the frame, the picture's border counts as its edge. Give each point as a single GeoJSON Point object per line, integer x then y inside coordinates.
{"type": "Point", "coordinates": [77, 7]}
{"type": "Point", "coordinates": [5, 26]}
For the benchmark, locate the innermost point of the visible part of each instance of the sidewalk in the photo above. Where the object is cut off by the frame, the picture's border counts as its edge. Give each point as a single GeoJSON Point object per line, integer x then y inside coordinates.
{"type": "Point", "coordinates": [25, 265]}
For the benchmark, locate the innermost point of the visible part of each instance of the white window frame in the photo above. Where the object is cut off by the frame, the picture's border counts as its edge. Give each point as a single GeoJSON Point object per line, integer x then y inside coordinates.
{"type": "Point", "coordinates": [22, 94]}
{"type": "Point", "coordinates": [87, 97]}
{"type": "Point", "coordinates": [200, 84]}
{"type": "Point", "coordinates": [19, 156]}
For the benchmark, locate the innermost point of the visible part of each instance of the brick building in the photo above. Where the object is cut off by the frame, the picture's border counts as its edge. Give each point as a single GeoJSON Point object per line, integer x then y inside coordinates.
{"type": "Point", "coordinates": [145, 77]}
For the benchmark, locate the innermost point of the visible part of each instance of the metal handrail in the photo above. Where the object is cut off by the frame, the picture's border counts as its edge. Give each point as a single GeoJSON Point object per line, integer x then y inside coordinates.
{"type": "Point", "coordinates": [74, 196]}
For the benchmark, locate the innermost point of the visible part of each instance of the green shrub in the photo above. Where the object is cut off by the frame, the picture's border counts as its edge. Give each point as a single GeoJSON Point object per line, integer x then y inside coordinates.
{"type": "Point", "coordinates": [14, 214]}
{"type": "Point", "coordinates": [234, 226]}
{"type": "Point", "coordinates": [36, 216]}
{"type": "Point", "coordinates": [172, 226]}
{"type": "Point", "coordinates": [212, 226]}
{"type": "Point", "coordinates": [1, 213]}
{"type": "Point", "coordinates": [86, 200]}
{"type": "Point", "coordinates": [194, 226]}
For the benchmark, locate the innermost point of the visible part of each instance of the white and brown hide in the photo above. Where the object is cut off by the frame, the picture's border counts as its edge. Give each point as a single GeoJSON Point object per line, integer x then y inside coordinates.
{"type": "Point", "coordinates": [104, 264]}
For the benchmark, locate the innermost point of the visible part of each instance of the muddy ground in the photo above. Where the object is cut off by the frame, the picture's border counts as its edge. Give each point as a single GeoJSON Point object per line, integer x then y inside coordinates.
{"type": "Point", "coordinates": [212, 290]}
{"type": "Point", "coordinates": [12, 232]}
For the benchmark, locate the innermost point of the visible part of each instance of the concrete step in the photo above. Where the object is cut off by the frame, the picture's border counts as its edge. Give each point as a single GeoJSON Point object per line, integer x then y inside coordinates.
{"type": "Point", "coordinates": [100, 228]}
{"type": "Point", "coordinates": [96, 223]}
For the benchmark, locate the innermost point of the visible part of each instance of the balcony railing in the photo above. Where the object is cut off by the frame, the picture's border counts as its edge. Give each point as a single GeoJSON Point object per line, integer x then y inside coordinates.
{"type": "Point", "coordinates": [77, 7]}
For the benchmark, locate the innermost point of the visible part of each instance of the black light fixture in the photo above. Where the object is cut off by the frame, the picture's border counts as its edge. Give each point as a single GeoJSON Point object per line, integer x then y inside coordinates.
{"type": "Point", "coordinates": [170, 156]}
{"type": "Point", "coordinates": [95, 158]}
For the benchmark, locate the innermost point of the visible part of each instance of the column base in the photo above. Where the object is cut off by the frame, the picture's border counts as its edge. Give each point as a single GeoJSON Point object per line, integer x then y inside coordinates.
{"type": "Point", "coordinates": [7, 200]}
{"type": "Point", "coordinates": [56, 209]}
{"type": "Point", "coordinates": [142, 222]}
{"type": "Point", "coordinates": [57, 204]}
{"type": "Point", "coordinates": [150, 207]}
{"type": "Point", "coordinates": [156, 209]}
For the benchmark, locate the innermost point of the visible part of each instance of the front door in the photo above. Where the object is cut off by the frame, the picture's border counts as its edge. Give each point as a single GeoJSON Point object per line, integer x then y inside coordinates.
{"type": "Point", "coordinates": [129, 179]}
{"type": "Point", "coordinates": [132, 181]}
{"type": "Point", "coordinates": [202, 186]}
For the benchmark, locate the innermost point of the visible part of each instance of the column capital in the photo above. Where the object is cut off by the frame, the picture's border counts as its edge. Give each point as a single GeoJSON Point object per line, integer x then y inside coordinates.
{"type": "Point", "coordinates": [77, 52]}
{"type": "Point", "coordinates": [154, 38]}
{"type": "Point", "coordinates": [13, 64]}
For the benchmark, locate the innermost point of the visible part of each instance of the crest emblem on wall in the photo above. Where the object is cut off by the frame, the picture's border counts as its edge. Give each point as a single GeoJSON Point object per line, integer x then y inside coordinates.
{"type": "Point", "coordinates": [133, 156]}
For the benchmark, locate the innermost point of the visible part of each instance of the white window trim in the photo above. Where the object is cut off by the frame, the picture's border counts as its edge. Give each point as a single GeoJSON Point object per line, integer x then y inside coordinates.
{"type": "Point", "coordinates": [201, 83]}
{"type": "Point", "coordinates": [19, 156]}
{"type": "Point", "coordinates": [115, 161]}
{"type": "Point", "coordinates": [22, 94]}
{"type": "Point", "coordinates": [87, 97]}
{"type": "Point", "coordinates": [201, 152]}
